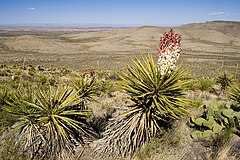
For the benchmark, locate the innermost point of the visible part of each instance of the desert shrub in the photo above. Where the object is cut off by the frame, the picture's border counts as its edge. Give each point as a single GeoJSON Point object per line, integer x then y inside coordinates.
{"type": "Point", "coordinates": [42, 79]}
{"type": "Point", "coordinates": [204, 84]}
{"type": "Point", "coordinates": [15, 66]}
{"type": "Point", "coordinates": [52, 81]}
{"type": "Point", "coordinates": [114, 76]}
{"type": "Point", "coordinates": [23, 67]}
{"type": "Point", "coordinates": [149, 148]}
{"type": "Point", "coordinates": [4, 72]}
{"type": "Point", "coordinates": [219, 142]}
{"type": "Point", "coordinates": [52, 69]}
{"type": "Point", "coordinates": [40, 68]}
{"type": "Point", "coordinates": [3, 66]}
{"type": "Point", "coordinates": [106, 86]}
{"type": "Point", "coordinates": [65, 71]}
{"type": "Point", "coordinates": [31, 73]}
{"type": "Point", "coordinates": [158, 147]}
{"type": "Point", "coordinates": [192, 85]}
{"type": "Point", "coordinates": [31, 69]}
{"type": "Point", "coordinates": [196, 103]}
{"type": "Point", "coordinates": [18, 73]}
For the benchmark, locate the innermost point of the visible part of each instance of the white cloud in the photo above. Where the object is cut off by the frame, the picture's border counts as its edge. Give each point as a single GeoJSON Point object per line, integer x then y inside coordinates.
{"type": "Point", "coordinates": [31, 8]}
{"type": "Point", "coordinates": [219, 14]}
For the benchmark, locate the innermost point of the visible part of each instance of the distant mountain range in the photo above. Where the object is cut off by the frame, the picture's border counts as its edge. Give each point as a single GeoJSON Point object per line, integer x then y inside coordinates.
{"type": "Point", "coordinates": [71, 26]}
{"type": "Point", "coordinates": [226, 27]}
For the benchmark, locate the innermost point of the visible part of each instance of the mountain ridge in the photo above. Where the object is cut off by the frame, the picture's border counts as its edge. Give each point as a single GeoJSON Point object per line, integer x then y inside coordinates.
{"type": "Point", "coordinates": [226, 27]}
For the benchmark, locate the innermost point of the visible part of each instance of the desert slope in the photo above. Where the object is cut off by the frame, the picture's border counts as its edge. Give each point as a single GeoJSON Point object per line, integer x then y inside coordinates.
{"type": "Point", "coordinates": [209, 46]}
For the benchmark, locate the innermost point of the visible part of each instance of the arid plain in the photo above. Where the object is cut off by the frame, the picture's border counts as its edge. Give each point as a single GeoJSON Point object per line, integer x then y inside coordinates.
{"type": "Point", "coordinates": [208, 48]}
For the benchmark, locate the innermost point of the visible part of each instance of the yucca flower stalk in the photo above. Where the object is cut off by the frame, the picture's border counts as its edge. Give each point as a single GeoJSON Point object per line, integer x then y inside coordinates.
{"type": "Point", "coordinates": [169, 51]}
{"type": "Point", "coordinates": [157, 99]}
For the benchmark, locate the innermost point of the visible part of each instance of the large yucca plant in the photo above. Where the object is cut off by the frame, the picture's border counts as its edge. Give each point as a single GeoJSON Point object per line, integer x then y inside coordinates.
{"type": "Point", "coordinates": [50, 123]}
{"type": "Point", "coordinates": [157, 94]}
{"type": "Point", "coordinates": [156, 100]}
{"type": "Point", "coordinates": [234, 93]}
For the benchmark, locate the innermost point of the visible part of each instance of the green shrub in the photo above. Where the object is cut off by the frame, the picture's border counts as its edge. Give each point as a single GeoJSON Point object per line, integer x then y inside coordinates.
{"type": "Point", "coordinates": [40, 68]}
{"type": "Point", "coordinates": [52, 81]}
{"type": "Point", "coordinates": [149, 149]}
{"type": "Point", "coordinates": [4, 73]}
{"type": "Point", "coordinates": [65, 71]}
{"type": "Point", "coordinates": [31, 73]}
{"type": "Point", "coordinates": [204, 84]}
{"type": "Point", "coordinates": [195, 103]}
{"type": "Point", "coordinates": [18, 73]}
{"type": "Point", "coordinates": [219, 142]}
{"type": "Point", "coordinates": [43, 79]}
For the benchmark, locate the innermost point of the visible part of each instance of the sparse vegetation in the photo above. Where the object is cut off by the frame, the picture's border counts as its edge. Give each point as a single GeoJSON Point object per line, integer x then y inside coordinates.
{"type": "Point", "coordinates": [49, 111]}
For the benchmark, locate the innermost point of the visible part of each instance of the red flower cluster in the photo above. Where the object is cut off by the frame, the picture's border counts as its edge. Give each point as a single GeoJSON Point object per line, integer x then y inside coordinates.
{"type": "Point", "coordinates": [169, 51]}
{"type": "Point", "coordinates": [169, 40]}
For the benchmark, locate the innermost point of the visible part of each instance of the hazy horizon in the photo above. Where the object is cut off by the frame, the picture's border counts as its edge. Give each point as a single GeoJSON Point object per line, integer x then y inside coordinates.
{"type": "Point", "coordinates": [117, 12]}
{"type": "Point", "coordinates": [79, 25]}
{"type": "Point", "coordinates": [88, 25]}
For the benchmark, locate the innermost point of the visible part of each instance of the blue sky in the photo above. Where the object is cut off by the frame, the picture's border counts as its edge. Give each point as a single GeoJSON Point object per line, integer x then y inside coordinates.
{"type": "Point", "coordinates": [139, 12]}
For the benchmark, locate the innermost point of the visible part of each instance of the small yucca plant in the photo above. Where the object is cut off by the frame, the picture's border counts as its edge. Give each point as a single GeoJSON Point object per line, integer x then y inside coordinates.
{"type": "Point", "coordinates": [157, 99]}
{"type": "Point", "coordinates": [224, 81]}
{"type": "Point", "coordinates": [50, 123]}
{"type": "Point", "coordinates": [86, 87]}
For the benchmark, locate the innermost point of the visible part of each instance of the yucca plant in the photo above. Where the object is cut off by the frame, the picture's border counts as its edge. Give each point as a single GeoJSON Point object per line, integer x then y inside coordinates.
{"type": "Point", "coordinates": [157, 99]}
{"type": "Point", "coordinates": [86, 87]}
{"type": "Point", "coordinates": [224, 81]}
{"type": "Point", "coordinates": [4, 94]}
{"type": "Point", "coordinates": [234, 93]}
{"type": "Point", "coordinates": [158, 94]}
{"type": "Point", "coordinates": [51, 123]}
